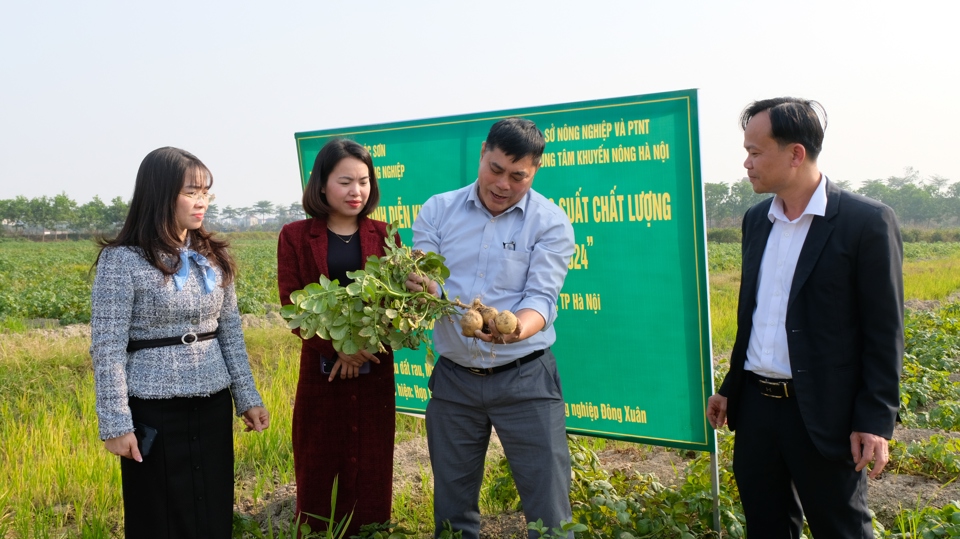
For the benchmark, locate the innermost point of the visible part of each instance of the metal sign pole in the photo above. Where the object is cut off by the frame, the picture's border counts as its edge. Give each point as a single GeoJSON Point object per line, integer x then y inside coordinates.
{"type": "Point", "coordinates": [715, 486]}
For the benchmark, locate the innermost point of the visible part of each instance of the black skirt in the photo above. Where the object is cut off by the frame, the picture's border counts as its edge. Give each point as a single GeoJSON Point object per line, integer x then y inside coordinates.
{"type": "Point", "coordinates": [184, 488]}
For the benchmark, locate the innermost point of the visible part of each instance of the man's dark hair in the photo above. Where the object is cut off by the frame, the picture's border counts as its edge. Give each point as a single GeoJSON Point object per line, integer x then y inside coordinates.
{"type": "Point", "coordinates": [517, 138]}
{"type": "Point", "coordinates": [792, 120]}
{"type": "Point", "coordinates": [334, 151]}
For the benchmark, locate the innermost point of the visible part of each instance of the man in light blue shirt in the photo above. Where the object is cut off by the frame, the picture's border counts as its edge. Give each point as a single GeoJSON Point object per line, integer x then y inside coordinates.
{"type": "Point", "coordinates": [508, 246]}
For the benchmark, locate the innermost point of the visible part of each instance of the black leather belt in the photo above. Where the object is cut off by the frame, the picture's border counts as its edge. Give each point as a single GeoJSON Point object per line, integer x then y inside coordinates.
{"type": "Point", "coordinates": [500, 368]}
{"type": "Point", "coordinates": [775, 388]}
{"type": "Point", "coordinates": [186, 338]}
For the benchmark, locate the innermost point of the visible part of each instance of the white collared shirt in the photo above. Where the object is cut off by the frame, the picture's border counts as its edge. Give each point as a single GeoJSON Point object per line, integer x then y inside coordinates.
{"type": "Point", "coordinates": [767, 352]}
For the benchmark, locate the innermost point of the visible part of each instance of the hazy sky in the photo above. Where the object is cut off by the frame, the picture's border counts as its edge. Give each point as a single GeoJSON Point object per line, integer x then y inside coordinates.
{"type": "Point", "coordinates": [87, 89]}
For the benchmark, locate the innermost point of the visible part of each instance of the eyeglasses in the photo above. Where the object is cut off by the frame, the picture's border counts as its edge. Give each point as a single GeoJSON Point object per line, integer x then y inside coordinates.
{"type": "Point", "coordinates": [197, 195]}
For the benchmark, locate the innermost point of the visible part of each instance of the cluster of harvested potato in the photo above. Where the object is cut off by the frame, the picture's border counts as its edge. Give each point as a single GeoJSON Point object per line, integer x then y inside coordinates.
{"type": "Point", "coordinates": [477, 315]}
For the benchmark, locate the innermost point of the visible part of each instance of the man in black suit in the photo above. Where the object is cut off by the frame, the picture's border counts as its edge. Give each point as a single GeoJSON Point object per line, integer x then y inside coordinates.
{"type": "Point", "coordinates": [813, 386]}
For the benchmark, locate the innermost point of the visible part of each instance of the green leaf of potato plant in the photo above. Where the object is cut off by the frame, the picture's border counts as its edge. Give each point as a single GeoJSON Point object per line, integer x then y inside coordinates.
{"type": "Point", "coordinates": [376, 309]}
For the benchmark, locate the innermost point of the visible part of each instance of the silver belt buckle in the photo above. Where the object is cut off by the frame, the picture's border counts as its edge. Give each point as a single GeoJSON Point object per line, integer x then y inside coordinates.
{"type": "Point", "coordinates": [477, 371]}
{"type": "Point", "coordinates": [184, 338]}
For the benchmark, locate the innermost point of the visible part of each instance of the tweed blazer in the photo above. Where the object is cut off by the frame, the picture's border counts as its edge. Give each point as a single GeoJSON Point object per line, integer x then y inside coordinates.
{"type": "Point", "coordinates": [132, 300]}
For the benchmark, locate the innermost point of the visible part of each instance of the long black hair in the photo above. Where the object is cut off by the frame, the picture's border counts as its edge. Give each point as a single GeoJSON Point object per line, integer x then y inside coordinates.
{"type": "Point", "coordinates": [151, 222]}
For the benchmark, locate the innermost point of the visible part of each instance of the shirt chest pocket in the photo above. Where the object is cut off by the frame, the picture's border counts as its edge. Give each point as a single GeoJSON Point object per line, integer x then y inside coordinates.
{"type": "Point", "coordinates": [511, 271]}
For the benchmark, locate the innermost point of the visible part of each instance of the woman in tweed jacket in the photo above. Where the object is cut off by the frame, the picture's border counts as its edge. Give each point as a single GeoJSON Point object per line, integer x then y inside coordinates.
{"type": "Point", "coordinates": [344, 413]}
{"type": "Point", "coordinates": [169, 356]}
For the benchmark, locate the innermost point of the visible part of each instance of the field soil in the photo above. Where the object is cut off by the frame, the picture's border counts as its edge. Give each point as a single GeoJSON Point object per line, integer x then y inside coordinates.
{"type": "Point", "coordinates": [888, 495]}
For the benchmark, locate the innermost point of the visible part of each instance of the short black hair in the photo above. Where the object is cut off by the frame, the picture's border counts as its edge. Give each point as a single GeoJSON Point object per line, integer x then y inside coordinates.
{"type": "Point", "coordinates": [517, 138]}
{"type": "Point", "coordinates": [792, 120]}
{"type": "Point", "coordinates": [314, 201]}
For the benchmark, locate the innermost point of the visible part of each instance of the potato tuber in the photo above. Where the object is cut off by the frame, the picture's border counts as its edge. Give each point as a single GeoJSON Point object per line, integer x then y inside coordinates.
{"type": "Point", "coordinates": [506, 322]}
{"type": "Point", "coordinates": [470, 322]}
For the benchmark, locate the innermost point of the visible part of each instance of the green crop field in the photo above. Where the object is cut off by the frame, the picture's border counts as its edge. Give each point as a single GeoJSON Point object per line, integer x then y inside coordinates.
{"type": "Point", "coordinates": [52, 280]}
{"type": "Point", "coordinates": [56, 479]}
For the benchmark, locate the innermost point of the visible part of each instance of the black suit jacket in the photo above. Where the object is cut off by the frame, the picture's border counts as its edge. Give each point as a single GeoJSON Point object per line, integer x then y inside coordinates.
{"type": "Point", "coordinates": [844, 319]}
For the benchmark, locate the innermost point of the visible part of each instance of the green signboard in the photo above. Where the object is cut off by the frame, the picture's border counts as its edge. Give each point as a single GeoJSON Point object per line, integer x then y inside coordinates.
{"type": "Point", "coordinates": [633, 339]}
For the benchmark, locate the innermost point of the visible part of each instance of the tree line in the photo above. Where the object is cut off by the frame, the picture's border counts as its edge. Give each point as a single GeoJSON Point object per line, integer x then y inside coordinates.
{"type": "Point", "coordinates": [61, 215]}
{"type": "Point", "coordinates": [931, 202]}
{"type": "Point", "coordinates": [268, 216]}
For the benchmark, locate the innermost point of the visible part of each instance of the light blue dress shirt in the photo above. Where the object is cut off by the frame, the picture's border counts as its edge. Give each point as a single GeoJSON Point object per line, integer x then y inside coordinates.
{"type": "Point", "coordinates": [516, 260]}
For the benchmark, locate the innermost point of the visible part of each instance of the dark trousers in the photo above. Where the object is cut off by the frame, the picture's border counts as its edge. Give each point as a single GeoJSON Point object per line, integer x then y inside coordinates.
{"type": "Point", "coordinates": [184, 488]}
{"type": "Point", "coordinates": [782, 476]}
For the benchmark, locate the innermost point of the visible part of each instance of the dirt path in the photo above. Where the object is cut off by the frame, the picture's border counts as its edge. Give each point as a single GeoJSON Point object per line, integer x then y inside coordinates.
{"type": "Point", "coordinates": [887, 496]}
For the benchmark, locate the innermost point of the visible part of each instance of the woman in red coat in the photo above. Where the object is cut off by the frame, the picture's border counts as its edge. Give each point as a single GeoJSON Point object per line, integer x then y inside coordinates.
{"type": "Point", "coordinates": [343, 417]}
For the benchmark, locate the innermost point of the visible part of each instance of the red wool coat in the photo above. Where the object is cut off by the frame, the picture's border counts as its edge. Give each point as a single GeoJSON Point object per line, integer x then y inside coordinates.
{"type": "Point", "coordinates": [343, 428]}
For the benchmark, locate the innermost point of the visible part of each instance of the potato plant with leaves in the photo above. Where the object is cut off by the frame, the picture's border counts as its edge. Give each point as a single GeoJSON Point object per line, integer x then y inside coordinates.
{"type": "Point", "coordinates": [937, 457]}
{"type": "Point", "coordinates": [376, 309]}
